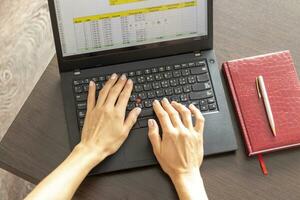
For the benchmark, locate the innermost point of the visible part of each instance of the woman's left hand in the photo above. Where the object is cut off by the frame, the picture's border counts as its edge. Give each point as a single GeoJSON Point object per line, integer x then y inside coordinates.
{"type": "Point", "coordinates": [105, 127]}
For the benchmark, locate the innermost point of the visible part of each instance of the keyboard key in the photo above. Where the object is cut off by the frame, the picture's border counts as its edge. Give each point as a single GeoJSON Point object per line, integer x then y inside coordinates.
{"type": "Point", "coordinates": [138, 73]}
{"type": "Point", "coordinates": [169, 91]}
{"type": "Point", "coordinates": [204, 108]}
{"type": "Point", "coordinates": [198, 70]}
{"type": "Point", "coordinates": [177, 67]}
{"type": "Point", "coordinates": [143, 123]}
{"type": "Point", "coordinates": [177, 74]}
{"type": "Point", "coordinates": [142, 96]}
{"type": "Point", "coordinates": [81, 122]}
{"type": "Point", "coordinates": [168, 75]}
{"type": "Point", "coordinates": [184, 98]}
{"type": "Point", "coordinates": [86, 81]}
{"type": "Point", "coordinates": [191, 79]}
{"type": "Point", "coordinates": [147, 112]}
{"type": "Point", "coordinates": [81, 106]}
{"type": "Point", "coordinates": [174, 82]}
{"type": "Point", "coordinates": [212, 106]}
{"type": "Point", "coordinates": [200, 63]}
{"type": "Point", "coordinates": [150, 78]}
{"type": "Point", "coordinates": [77, 82]}
{"type": "Point", "coordinates": [187, 88]}
{"type": "Point", "coordinates": [130, 106]}
{"type": "Point", "coordinates": [95, 79]}
{"type": "Point", "coordinates": [156, 85]}
{"type": "Point", "coordinates": [185, 72]}
{"type": "Point", "coordinates": [148, 103]}
{"type": "Point", "coordinates": [86, 88]}
{"type": "Point", "coordinates": [201, 95]}
{"type": "Point", "coordinates": [141, 79]}
{"type": "Point", "coordinates": [133, 97]}
{"type": "Point", "coordinates": [147, 86]}
{"type": "Point", "coordinates": [184, 65]}
{"type": "Point", "coordinates": [81, 97]}
{"type": "Point", "coordinates": [160, 93]}
{"type": "Point", "coordinates": [151, 94]}
{"type": "Point", "coordinates": [147, 71]}
{"type": "Point", "coordinates": [81, 114]}
{"type": "Point", "coordinates": [161, 69]}
{"type": "Point", "coordinates": [211, 100]}
{"type": "Point", "coordinates": [131, 74]}
{"type": "Point", "coordinates": [175, 98]}
{"type": "Point", "coordinates": [168, 68]}
{"type": "Point", "coordinates": [178, 90]}
{"type": "Point", "coordinates": [101, 78]}
{"type": "Point", "coordinates": [182, 81]}
{"type": "Point", "coordinates": [192, 64]}
{"type": "Point", "coordinates": [78, 89]}
{"type": "Point", "coordinates": [201, 86]}
{"type": "Point", "coordinates": [203, 77]}
{"type": "Point", "coordinates": [158, 77]}
{"type": "Point", "coordinates": [154, 70]}
{"type": "Point", "coordinates": [165, 84]}
{"type": "Point", "coordinates": [138, 88]}
{"type": "Point", "coordinates": [203, 102]}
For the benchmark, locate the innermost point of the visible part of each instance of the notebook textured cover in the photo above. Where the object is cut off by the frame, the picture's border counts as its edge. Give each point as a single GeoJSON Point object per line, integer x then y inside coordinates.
{"type": "Point", "coordinates": [283, 89]}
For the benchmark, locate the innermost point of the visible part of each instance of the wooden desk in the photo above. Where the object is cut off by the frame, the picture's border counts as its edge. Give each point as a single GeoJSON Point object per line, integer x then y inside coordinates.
{"type": "Point", "coordinates": [37, 140]}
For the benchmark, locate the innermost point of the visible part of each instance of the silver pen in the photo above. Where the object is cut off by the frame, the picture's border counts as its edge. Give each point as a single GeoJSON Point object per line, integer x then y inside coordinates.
{"type": "Point", "coordinates": [262, 93]}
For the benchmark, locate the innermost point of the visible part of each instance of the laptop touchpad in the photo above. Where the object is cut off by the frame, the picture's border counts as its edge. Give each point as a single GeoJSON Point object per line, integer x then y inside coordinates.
{"type": "Point", "coordinates": [138, 146]}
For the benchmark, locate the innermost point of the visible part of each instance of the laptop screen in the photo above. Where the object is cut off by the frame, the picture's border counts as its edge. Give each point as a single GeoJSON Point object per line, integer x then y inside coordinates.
{"type": "Point", "coordinates": [87, 26]}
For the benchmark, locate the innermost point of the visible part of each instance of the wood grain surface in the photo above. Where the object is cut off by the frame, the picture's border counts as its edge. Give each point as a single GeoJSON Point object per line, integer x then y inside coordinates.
{"type": "Point", "coordinates": [37, 141]}
{"type": "Point", "coordinates": [26, 48]}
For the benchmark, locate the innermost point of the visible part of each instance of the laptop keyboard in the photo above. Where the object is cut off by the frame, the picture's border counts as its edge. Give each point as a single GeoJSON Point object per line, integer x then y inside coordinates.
{"type": "Point", "coordinates": [185, 83]}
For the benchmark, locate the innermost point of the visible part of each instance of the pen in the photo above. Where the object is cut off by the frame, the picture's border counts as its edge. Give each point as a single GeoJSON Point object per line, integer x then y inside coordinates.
{"type": "Point", "coordinates": [262, 93]}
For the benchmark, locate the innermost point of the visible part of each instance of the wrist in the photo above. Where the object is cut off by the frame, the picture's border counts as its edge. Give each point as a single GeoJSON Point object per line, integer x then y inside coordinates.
{"type": "Point", "coordinates": [88, 155]}
{"type": "Point", "coordinates": [191, 176]}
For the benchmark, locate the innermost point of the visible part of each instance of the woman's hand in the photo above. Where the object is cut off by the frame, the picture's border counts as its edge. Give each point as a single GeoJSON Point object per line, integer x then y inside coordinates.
{"type": "Point", "coordinates": [180, 150]}
{"type": "Point", "coordinates": [105, 127]}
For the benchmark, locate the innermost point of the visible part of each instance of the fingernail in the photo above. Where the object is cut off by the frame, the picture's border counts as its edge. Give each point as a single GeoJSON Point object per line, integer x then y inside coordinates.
{"type": "Point", "coordinates": [155, 102]}
{"type": "Point", "coordinates": [165, 100]}
{"type": "Point", "coordinates": [92, 83]}
{"type": "Point", "coordinates": [150, 122]}
{"type": "Point", "coordinates": [113, 76]}
{"type": "Point", "coordinates": [129, 82]}
{"type": "Point", "coordinates": [123, 77]}
{"type": "Point", "coordinates": [191, 105]}
{"type": "Point", "coordinates": [173, 102]}
{"type": "Point", "coordinates": [138, 110]}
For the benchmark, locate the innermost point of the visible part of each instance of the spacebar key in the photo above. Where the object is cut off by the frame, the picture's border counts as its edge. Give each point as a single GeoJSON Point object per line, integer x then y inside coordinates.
{"type": "Point", "coordinates": [147, 113]}
{"type": "Point", "coordinates": [201, 95]}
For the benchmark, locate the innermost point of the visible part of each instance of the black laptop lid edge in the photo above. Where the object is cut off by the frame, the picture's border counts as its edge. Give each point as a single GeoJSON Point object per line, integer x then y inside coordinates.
{"type": "Point", "coordinates": [67, 64]}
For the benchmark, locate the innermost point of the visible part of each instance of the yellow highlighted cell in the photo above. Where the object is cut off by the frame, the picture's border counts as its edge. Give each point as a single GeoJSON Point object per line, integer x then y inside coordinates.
{"type": "Point", "coordinates": [118, 2]}
{"type": "Point", "coordinates": [134, 12]}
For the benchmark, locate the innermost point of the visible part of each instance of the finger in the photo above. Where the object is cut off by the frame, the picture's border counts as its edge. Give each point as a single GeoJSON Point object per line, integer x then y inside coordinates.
{"type": "Point", "coordinates": [173, 114]}
{"type": "Point", "coordinates": [154, 137]}
{"type": "Point", "coordinates": [131, 119]}
{"type": "Point", "coordinates": [105, 90]}
{"type": "Point", "coordinates": [124, 96]}
{"type": "Point", "coordinates": [199, 119]}
{"type": "Point", "coordinates": [185, 114]}
{"type": "Point", "coordinates": [115, 91]}
{"type": "Point", "coordinates": [163, 117]}
{"type": "Point", "coordinates": [91, 97]}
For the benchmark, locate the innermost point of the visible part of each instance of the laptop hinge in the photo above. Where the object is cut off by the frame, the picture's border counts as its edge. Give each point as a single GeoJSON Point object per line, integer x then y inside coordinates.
{"type": "Point", "coordinates": [77, 72]}
{"type": "Point", "coordinates": [197, 53]}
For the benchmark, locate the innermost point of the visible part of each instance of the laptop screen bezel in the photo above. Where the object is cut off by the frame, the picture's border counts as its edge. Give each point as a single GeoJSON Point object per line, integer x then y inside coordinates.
{"type": "Point", "coordinates": [129, 54]}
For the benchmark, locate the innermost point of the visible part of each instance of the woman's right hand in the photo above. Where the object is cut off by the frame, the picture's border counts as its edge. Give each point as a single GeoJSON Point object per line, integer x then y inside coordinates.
{"type": "Point", "coordinates": [180, 150]}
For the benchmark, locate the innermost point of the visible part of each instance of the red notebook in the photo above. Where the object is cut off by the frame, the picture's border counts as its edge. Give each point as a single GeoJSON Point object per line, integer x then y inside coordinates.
{"type": "Point", "coordinates": [283, 90]}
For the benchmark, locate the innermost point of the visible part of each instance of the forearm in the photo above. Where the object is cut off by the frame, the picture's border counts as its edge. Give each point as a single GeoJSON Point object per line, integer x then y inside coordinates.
{"type": "Point", "coordinates": [190, 186]}
{"type": "Point", "coordinates": [66, 178]}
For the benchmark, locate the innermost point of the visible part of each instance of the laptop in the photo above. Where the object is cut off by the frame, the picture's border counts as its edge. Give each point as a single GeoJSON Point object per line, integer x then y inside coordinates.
{"type": "Point", "coordinates": [165, 47]}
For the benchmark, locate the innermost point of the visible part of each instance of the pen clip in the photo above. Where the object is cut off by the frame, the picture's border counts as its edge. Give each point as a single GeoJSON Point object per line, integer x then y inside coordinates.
{"type": "Point", "coordinates": [258, 88]}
